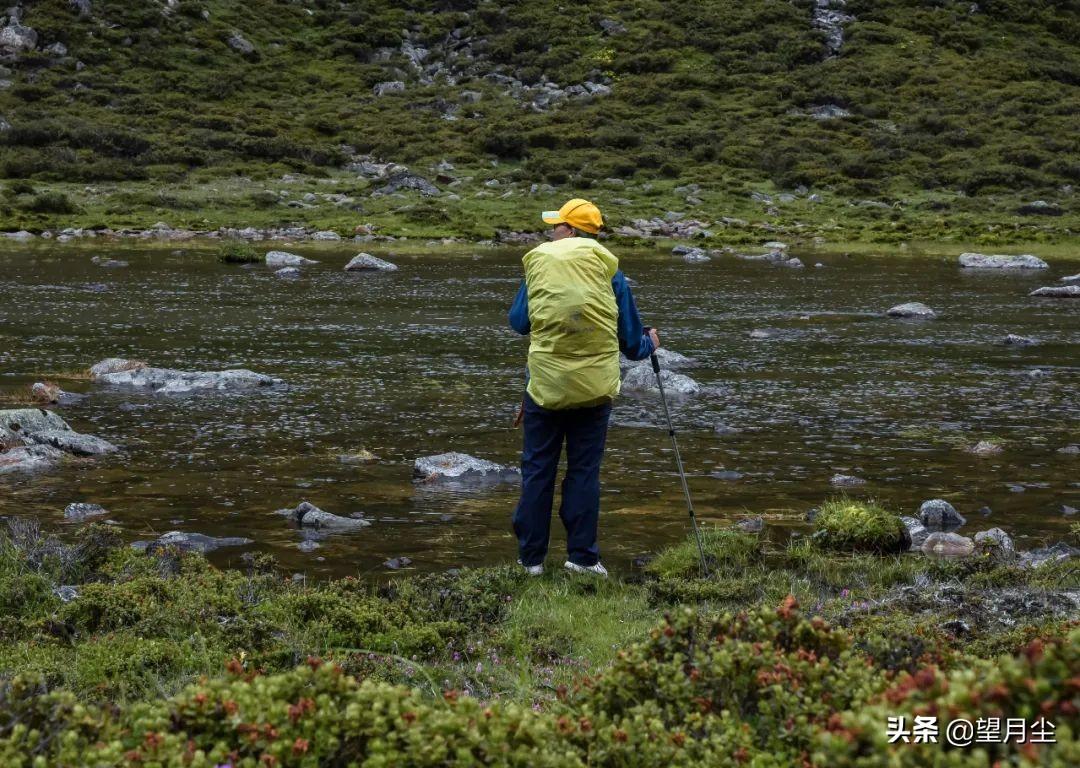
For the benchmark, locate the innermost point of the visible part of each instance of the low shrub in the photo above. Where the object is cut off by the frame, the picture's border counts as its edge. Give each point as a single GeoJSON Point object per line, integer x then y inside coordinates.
{"type": "Point", "coordinates": [238, 252]}
{"type": "Point", "coordinates": [848, 525]}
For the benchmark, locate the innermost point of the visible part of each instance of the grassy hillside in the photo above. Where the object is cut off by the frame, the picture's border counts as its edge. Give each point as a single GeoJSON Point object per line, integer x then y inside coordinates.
{"type": "Point", "coordinates": [950, 109]}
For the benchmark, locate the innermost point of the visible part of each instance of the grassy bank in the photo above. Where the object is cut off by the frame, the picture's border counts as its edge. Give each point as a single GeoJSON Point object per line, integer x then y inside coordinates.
{"type": "Point", "coordinates": [783, 655]}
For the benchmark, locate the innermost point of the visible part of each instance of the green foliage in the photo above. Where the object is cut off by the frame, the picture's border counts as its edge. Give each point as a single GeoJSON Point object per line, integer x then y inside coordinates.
{"type": "Point", "coordinates": [238, 252]}
{"type": "Point", "coordinates": [848, 525]}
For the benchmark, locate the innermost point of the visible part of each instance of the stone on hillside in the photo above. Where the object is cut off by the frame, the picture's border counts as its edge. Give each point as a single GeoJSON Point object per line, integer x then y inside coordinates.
{"type": "Point", "coordinates": [388, 86]}
{"type": "Point", "coordinates": [362, 456]}
{"type": "Point", "coordinates": [846, 481]}
{"type": "Point", "coordinates": [241, 45]}
{"type": "Point", "coordinates": [307, 515]}
{"type": "Point", "coordinates": [938, 514]}
{"type": "Point", "coordinates": [461, 467]}
{"type": "Point", "coordinates": [286, 259]}
{"type": "Point", "coordinates": [1013, 340]}
{"type": "Point", "coordinates": [190, 542]}
{"type": "Point", "coordinates": [912, 309]}
{"type": "Point", "coordinates": [828, 112]}
{"type": "Point", "coordinates": [167, 381]}
{"type": "Point", "coordinates": [1053, 554]}
{"type": "Point", "coordinates": [1039, 208]}
{"type": "Point", "coordinates": [326, 235]}
{"type": "Point", "coordinates": [985, 448]}
{"type": "Point", "coordinates": [640, 378]}
{"type": "Point", "coordinates": [5, 126]}
{"type": "Point", "coordinates": [57, 49]}
{"type": "Point", "coordinates": [15, 38]}
{"type": "Point", "coordinates": [367, 262]}
{"type": "Point", "coordinates": [916, 530]}
{"type": "Point", "coordinates": [994, 541]}
{"type": "Point", "coordinates": [80, 512]}
{"type": "Point", "coordinates": [995, 261]}
{"type": "Point", "coordinates": [612, 27]}
{"type": "Point", "coordinates": [288, 272]}
{"type": "Point", "coordinates": [948, 545]}
{"type": "Point", "coordinates": [82, 7]}
{"type": "Point", "coordinates": [1058, 291]}
{"type": "Point", "coordinates": [403, 180]}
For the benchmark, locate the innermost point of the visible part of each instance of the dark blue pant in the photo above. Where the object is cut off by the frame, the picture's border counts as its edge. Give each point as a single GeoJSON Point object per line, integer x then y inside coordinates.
{"type": "Point", "coordinates": [585, 430]}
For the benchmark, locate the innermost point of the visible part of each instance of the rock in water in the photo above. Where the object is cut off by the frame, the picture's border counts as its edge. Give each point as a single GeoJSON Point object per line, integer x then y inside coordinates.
{"type": "Point", "coordinates": [461, 467]}
{"type": "Point", "coordinates": [191, 542]}
{"type": "Point", "coordinates": [29, 458]}
{"type": "Point", "coordinates": [916, 530]}
{"type": "Point", "coordinates": [1013, 340]}
{"type": "Point", "coordinates": [167, 381]}
{"type": "Point", "coordinates": [913, 309]}
{"type": "Point", "coordinates": [286, 259]}
{"type": "Point", "coordinates": [1056, 553]}
{"type": "Point", "coordinates": [995, 542]}
{"type": "Point", "coordinates": [1071, 278]}
{"type": "Point", "coordinates": [367, 262]}
{"type": "Point", "coordinates": [948, 545]}
{"type": "Point", "coordinates": [80, 512]}
{"type": "Point", "coordinates": [938, 514]}
{"type": "Point", "coordinates": [994, 261]}
{"type": "Point", "coordinates": [36, 439]}
{"type": "Point", "coordinates": [751, 524]}
{"type": "Point", "coordinates": [641, 378]}
{"type": "Point", "coordinates": [288, 273]}
{"type": "Point", "coordinates": [1058, 292]}
{"type": "Point", "coordinates": [668, 359]}
{"type": "Point", "coordinates": [47, 393]}
{"type": "Point", "coordinates": [985, 448]}
{"type": "Point", "coordinates": [846, 481]}
{"type": "Point", "coordinates": [307, 515]}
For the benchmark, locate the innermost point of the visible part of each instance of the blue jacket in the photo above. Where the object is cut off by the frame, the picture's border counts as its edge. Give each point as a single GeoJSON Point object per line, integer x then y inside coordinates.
{"type": "Point", "coordinates": [633, 341]}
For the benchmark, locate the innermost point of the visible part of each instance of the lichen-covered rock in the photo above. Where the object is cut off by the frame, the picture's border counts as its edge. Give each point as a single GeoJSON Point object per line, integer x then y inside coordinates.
{"type": "Point", "coordinates": [195, 542]}
{"type": "Point", "coordinates": [640, 378]}
{"type": "Point", "coordinates": [995, 261]}
{"type": "Point", "coordinates": [37, 439]}
{"type": "Point", "coordinates": [916, 531]}
{"type": "Point", "coordinates": [944, 544]}
{"type": "Point", "coordinates": [367, 262]}
{"type": "Point", "coordinates": [307, 515]}
{"type": "Point", "coordinates": [1058, 292]}
{"type": "Point", "coordinates": [854, 526]}
{"type": "Point", "coordinates": [286, 259]}
{"type": "Point", "coordinates": [938, 514]}
{"type": "Point", "coordinates": [994, 542]}
{"type": "Point", "coordinates": [461, 467]}
{"type": "Point", "coordinates": [167, 381]}
{"type": "Point", "coordinates": [912, 309]}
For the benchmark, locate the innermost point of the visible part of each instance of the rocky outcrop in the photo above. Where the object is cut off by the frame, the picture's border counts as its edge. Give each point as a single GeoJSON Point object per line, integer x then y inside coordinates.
{"type": "Point", "coordinates": [640, 378]}
{"type": "Point", "coordinates": [167, 381]}
{"type": "Point", "coordinates": [307, 515]}
{"type": "Point", "coordinates": [388, 86]}
{"type": "Point", "coordinates": [190, 542]}
{"type": "Point", "coordinates": [403, 180]}
{"type": "Point", "coordinates": [366, 262]}
{"type": "Point", "coordinates": [938, 515]}
{"type": "Point", "coordinates": [912, 309]}
{"type": "Point", "coordinates": [462, 468]}
{"type": "Point", "coordinates": [994, 261]}
{"type": "Point", "coordinates": [830, 19]}
{"type": "Point", "coordinates": [16, 39]}
{"type": "Point", "coordinates": [286, 259]}
{"type": "Point", "coordinates": [47, 393]}
{"type": "Point", "coordinates": [32, 439]}
{"type": "Point", "coordinates": [1058, 291]}
{"type": "Point", "coordinates": [943, 544]}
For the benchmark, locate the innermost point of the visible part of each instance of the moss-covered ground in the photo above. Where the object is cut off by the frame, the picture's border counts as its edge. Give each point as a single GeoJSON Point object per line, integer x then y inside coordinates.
{"type": "Point", "coordinates": [783, 655]}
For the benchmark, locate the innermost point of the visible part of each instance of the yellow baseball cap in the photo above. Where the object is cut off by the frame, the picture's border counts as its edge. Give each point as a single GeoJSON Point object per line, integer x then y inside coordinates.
{"type": "Point", "coordinates": [579, 214]}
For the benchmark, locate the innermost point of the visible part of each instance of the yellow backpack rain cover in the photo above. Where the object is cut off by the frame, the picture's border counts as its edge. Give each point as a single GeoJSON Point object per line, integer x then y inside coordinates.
{"type": "Point", "coordinates": [574, 345]}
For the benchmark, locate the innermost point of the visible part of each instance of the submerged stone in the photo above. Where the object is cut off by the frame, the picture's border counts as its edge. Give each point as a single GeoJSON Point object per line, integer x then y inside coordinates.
{"type": "Point", "coordinates": [1014, 340]}
{"type": "Point", "coordinates": [461, 467]}
{"type": "Point", "coordinates": [307, 515]}
{"type": "Point", "coordinates": [846, 481]}
{"type": "Point", "coordinates": [668, 359]}
{"type": "Point", "coordinates": [194, 542]}
{"type": "Point", "coordinates": [79, 512]}
{"type": "Point", "coordinates": [167, 381]}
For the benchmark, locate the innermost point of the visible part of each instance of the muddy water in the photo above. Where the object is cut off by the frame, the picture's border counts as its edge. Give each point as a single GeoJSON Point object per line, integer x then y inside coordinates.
{"type": "Point", "coordinates": [421, 361]}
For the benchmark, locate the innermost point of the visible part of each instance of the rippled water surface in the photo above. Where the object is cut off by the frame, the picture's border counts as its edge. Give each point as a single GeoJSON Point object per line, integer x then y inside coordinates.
{"type": "Point", "coordinates": [421, 361]}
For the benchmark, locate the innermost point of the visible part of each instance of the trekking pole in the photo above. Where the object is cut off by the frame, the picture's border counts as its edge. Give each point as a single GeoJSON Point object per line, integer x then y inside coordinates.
{"type": "Point", "coordinates": [679, 464]}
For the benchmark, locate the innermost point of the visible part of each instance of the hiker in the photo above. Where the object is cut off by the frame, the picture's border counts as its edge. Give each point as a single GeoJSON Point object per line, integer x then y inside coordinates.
{"type": "Point", "coordinates": [578, 310]}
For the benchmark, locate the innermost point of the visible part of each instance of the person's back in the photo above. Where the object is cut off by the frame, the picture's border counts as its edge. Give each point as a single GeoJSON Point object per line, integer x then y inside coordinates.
{"type": "Point", "coordinates": [574, 346]}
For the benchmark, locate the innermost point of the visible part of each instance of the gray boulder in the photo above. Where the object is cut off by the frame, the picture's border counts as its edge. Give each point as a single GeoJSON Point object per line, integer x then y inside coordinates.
{"type": "Point", "coordinates": [388, 86]}
{"type": "Point", "coordinates": [288, 272]}
{"type": "Point", "coordinates": [69, 441]}
{"type": "Point", "coordinates": [917, 532]}
{"type": "Point", "coordinates": [307, 515]}
{"type": "Point", "coordinates": [996, 261]}
{"type": "Point", "coordinates": [985, 448]}
{"type": "Point", "coordinates": [1053, 554]}
{"type": "Point", "coordinates": [81, 512]}
{"type": "Point", "coordinates": [239, 44]}
{"type": "Point", "coordinates": [912, 309]}
{"type": "Point", "coordinates": [846, 481]}
{"type": "Point", "coordinates": [37, 439]}
{"type": "Point", "coordinates": [286, 259]}
{"type": "Point", "coordinates": [461, 467]}
{"type": "Point", "coordinates": [167, 381]}
{"type": "Point", "coordinates": [938, 514]}
{"type": "Point", "coordinates": [190, 542]}
{"type": "Point", "coordinates": [326, 235]}
{"type": "Point", "coordinates": [29, 458]}
{"type": "Point", "coordinates": [948, 545]}
{"type": "Point", "coordinates": [367, 262]}
{"type": "Point", "coordinates": [640, 378]}
{"type": "Point", "coordinates": [1013, 340]}
{"type": "Point", "coordinates": [1069, 279]}
{"type": "Point", "coordinates": [1058, 291]}
{"type": "Point", "coordinates": [403, 180]}
{"type": "Point", "coordinates": [15, 38]}
{"type": "Point", "coordinates": [995, 542]}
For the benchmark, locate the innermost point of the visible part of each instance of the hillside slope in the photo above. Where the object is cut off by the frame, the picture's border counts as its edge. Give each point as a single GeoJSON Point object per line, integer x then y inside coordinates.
{"type": "Point", "coordinates": [880, 99]}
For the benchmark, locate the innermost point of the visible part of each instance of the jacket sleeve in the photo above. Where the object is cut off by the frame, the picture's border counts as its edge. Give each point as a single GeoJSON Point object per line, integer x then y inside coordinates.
{"type": "Point", "coordinates": [519, 311]}
{"type": "Point", "coordinates": [633, 341]}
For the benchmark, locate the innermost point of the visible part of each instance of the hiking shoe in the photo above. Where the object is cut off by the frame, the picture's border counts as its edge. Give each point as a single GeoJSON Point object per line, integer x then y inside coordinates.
{"type": "Point", "coordinates": [596, 570]}
{"type": "Point", "coordinates": [533, 570]}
